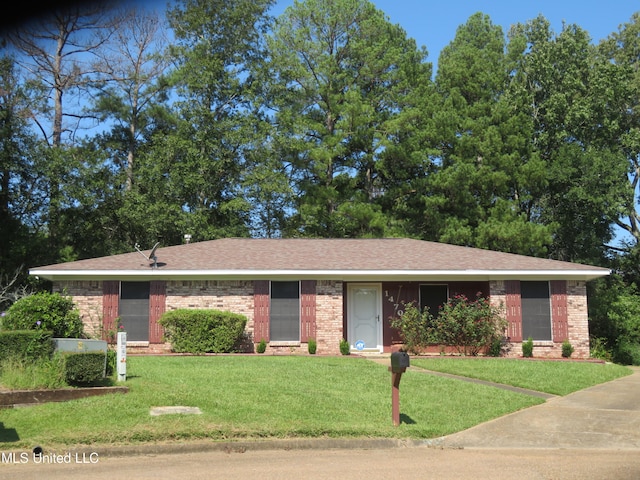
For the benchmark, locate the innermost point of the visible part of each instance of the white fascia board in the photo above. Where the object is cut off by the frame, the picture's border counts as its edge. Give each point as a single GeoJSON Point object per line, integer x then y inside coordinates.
{"type": "Point", "coordinates": [346, 275]}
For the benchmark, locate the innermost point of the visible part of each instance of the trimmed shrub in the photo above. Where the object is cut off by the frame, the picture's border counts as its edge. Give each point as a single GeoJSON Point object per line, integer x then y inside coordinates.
{"type": "Point", "coordinates": [45, 311]}
{"type": "Point", "coordinates": [25, 344]}
{"type": "Point", "coordinates": [85, 368]}
{"type": "Point", "coordinates": [527, 348]}
{"type": "Point", "coordinates": [262, 346]}
{"type": "Point", "coordinates": [112, 363]}
{"type": "Point", "coordinates": [496, 348]}
{"type": "Point", "coordinates": [203, 331]}
{"type": "Point", "coordinates": [345, 348]}
{"type": "Point", "coordinates": [312, 346]}
{"type": "Point", "coordinates": [567, 349]}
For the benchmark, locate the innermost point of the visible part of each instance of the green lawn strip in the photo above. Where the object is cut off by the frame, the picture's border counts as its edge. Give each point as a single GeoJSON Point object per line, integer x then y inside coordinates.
{"type": "Point", "coordinates": [555, 377]}
{"type": "Point", "coordinates": [260, 397]}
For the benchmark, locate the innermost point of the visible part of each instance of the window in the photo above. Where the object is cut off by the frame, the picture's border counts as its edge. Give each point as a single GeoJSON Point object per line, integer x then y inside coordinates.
{"type": "Point", "coordinates": [536, 310]}
{"type": "Point", "coordinates": [133, 310]}
{"type": "Point", "coordinates": [433, 297]}
{"type": "Point", "coordinates": [285, 312]}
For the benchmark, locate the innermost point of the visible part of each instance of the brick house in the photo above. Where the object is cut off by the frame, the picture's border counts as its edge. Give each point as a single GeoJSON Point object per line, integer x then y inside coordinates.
{"type": "Point", "coordinates": [291, 290]}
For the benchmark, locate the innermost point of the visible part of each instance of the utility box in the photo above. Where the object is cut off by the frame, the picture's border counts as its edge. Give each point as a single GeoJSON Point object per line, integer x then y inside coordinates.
{"type": "Point", "coordinates": [79, 345]}
{"type": "Point", "coordinates": [399, 361]}
{"type": "Point", "coordinates": [82, 345]}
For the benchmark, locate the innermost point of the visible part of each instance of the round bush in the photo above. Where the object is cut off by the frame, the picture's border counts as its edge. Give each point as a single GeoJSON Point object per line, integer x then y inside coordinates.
{"type": "Point", "coordinates": [45, 311]}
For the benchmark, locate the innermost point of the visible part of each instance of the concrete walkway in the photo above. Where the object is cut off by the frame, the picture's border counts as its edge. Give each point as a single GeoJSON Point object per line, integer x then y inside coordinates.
{"type": "Point", "coordinates": [606, 416]}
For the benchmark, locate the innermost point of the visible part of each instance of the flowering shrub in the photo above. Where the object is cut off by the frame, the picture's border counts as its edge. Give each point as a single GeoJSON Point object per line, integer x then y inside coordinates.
{"type": "Point", "coordinates": [468, 326]}
{"type": "Point", "coordinates": [413, 326]}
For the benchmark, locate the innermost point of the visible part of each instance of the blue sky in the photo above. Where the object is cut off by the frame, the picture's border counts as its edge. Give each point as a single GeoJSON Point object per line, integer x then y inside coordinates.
{"type": "Point", "coordinates": [433, 23]}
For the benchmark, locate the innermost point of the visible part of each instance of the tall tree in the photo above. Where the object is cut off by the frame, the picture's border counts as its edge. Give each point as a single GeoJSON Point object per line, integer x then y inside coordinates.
{"type": "Point", "coordinates": [483, 191]}
{"type": "Point", "coordinates": [623, 49]}
{"type": "Point", "coordinates": [204, 160]}
{"type": "Point", "coordinates": [341, 73]}
{"type": "Point", "coordinates": [573, 101]}
{"type": "Point", "coordinates": [22, 234]}
{"type": "Point", "coordinates": [53, 52]}
{"type": "Point", "coordinates": [130, 83]}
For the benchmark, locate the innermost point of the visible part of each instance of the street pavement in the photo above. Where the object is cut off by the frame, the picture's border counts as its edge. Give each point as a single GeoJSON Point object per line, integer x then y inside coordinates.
{"type": "Point", "coordinates": [593, 434]}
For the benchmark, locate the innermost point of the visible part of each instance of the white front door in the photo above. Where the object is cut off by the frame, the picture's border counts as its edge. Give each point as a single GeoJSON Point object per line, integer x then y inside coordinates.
{"type": "Point", "coordinates": [364, 316]}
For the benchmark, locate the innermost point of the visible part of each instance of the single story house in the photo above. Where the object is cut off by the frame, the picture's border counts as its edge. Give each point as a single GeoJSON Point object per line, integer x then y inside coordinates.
{"type": "Point", "coordinates": [292, 290]}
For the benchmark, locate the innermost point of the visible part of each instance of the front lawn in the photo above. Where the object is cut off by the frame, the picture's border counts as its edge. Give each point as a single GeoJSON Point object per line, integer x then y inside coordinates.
{"type": "Point", "coordinates": [558, 377]}
{"type": "Point", "coordinates": [244, 397]}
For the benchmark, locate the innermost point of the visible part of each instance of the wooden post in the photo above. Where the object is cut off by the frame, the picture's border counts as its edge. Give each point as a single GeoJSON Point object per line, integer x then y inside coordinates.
{"type": "Point", "coordinates": [396, 376]}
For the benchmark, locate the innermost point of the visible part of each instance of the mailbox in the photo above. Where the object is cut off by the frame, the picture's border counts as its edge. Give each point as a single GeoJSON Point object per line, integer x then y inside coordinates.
{"type": "Point", "coordinates": [399, 361]}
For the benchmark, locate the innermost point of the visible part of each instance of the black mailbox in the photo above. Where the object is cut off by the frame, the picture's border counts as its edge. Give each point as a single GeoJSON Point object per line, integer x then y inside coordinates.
{"type": "Point", "coordinates": [399, 360]}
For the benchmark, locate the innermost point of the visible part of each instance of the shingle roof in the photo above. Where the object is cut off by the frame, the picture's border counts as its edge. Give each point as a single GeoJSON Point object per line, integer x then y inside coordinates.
{"type": "Point", "coordinates": [319, 258]}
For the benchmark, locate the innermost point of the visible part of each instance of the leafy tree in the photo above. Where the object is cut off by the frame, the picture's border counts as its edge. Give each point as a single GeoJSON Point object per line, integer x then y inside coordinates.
{"type": "Point", "coordinates": [267, 185]}
{"type": "Point", "coordinates": [614, 318]}
{"type": "Point", "coordinates": [53, 53]}
{"type": "Point", "coordinates": [203, 161]}
{"type": "Point", "coordinates": [340, 76]}
{"type": "Point", "coordinates": [574, 102]}
{"type": "Point", "coordinates": [483, 192]}
{"type": "Point", "coordinates": [131, 83]}
{"type": "Point", "coordinates": [622, 48]}
{"type": "Point", "coordinates": [21, 239]}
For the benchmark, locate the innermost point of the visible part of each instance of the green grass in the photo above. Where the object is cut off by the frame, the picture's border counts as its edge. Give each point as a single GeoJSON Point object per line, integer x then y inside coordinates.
{"type": "Point", "coordinates": [245, 397]}
{"type": "Point", "coordinates": [19, 374]}
{"type": "Point", "coordinates": [555, 377]}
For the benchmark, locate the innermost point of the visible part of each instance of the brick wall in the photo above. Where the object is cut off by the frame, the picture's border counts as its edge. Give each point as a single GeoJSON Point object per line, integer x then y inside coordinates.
{"type": "Point", "coordinates": [578, 318]}
{"type": "Point", "coordinates": [87, 295]}
{"type": "Point", "coordinates": [329, 316]}
{"type": "Point", "coordinates": [229, 295]}
{"type": "Point", "coordinates": [578, 323]}
{"type": "Point", "coordinates": [237, 296]}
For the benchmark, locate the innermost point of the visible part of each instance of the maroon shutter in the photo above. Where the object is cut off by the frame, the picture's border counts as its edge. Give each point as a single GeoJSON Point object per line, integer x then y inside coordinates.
{"type": "Point", "coordinates": [559, 315]}
{"type": "Point", "coordinates": [157, 302]}
{"type": "Point", "coordinates": [307, 310]}
{"type": "Point", "coordinates": [514, 310]}
{"type": "Point", "coordinates": [260, 310]}
{"type": "Point", "coordinates": [110, 300]}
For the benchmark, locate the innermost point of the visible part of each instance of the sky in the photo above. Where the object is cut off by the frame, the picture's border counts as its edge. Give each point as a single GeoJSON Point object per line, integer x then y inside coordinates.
{"type": "Point", "coordinates": [433, 23]}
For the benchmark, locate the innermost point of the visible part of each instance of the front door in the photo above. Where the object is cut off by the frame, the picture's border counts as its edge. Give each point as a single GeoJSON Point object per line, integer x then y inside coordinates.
{"type": "Point", "coordinates": [134, 310]}
{"type": "Point", "coordinates": [364, 316]}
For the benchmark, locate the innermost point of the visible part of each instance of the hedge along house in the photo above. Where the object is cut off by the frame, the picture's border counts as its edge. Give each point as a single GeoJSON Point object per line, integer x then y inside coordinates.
{"type": "Point", "coordinates": [292, 290]}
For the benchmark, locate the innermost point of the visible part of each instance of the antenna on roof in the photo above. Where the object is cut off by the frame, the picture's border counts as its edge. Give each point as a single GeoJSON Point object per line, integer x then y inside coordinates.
{"type": "Point", "coordinates": [152, 256]}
